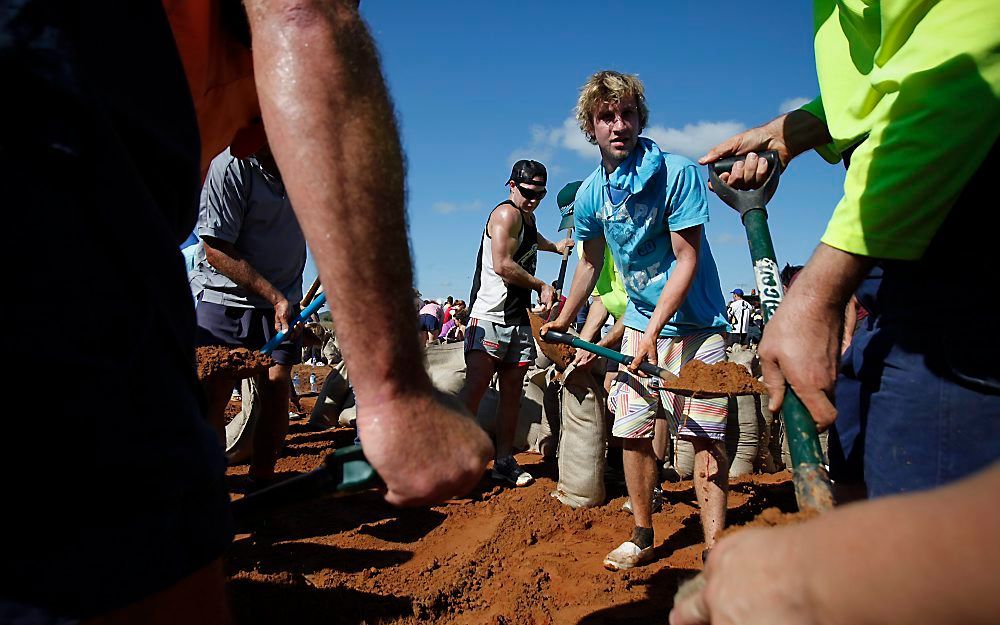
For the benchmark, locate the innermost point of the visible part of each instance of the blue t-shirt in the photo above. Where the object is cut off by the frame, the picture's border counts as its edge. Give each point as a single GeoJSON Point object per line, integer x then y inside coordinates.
{"type": "Point", "coordinates": [635, 208]}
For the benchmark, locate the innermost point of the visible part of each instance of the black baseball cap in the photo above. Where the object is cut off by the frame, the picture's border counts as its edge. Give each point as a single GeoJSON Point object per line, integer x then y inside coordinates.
{"type": "Point", "coordinates": [525, 171]}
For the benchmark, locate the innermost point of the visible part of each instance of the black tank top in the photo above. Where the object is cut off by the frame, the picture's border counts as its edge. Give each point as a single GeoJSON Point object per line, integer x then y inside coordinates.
{"type": "Point", "coordinates": [508, 303]}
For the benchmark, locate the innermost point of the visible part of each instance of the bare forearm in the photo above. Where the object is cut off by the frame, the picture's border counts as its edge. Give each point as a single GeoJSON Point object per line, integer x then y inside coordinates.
{"type": "Point", "coordinates": [584, 279]}
{"type": "Point", "coordinates": [831, 277]}
{"type": "Point", "coordinates": [613, 338]}
{"type": "Point", "coordinates": [237, 269]}
{"type": "Point", "coordinates": [333, 134]}
{"type": "Point", "coordinates": [596, 317]}
{"type": "Point", "coordinates": [802, 131]}
{"type": "Point", "coordinates": [924, 558]}
{"type": "Point", "coordinates": [673, 294]}
{"type": "Point", "coordinates": [545, 245]}
{"type": "Point", "coordinates": [513, 273]}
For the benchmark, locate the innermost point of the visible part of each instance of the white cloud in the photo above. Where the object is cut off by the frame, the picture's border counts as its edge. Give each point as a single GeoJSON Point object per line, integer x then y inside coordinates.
{"type": "Point", "coordinates": [545, 141]}
{"type": "Point", "coordinates": [446, 208]}
{"type": "Point", "coordinates": [791, 104]}
{"type": "Point", "coordinates": [725, 238]}
{"type": "Point", "coordinates": [693, 140]}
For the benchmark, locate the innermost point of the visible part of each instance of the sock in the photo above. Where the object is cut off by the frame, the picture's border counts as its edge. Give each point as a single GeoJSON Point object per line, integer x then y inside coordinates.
{"type": "Point", "coordinates": [642, 537]}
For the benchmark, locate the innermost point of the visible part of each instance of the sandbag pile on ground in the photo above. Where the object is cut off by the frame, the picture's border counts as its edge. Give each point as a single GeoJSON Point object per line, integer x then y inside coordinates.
{"type": "Point", "coordinates": [748, 429]}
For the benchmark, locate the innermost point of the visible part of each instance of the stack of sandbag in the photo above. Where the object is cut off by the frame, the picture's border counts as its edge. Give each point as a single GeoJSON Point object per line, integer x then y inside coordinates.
{"type": "Point", "coordinates": [445, 365]}
{"type": "Point", "coordinates": [332, 398]}
{"type": "Point", "coordinates": [744, 425]}
{"type": "Point", "coordinates": [577, 397]}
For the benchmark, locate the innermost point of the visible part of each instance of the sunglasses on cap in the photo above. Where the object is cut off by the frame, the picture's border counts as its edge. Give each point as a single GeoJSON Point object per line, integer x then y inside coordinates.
{"type": "Point", "coordinates": [531, 194]}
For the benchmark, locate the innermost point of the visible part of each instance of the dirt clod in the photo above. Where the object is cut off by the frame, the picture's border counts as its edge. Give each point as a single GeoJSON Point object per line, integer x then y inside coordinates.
{"type": "Point", "coordinates": [234, 363]}
{"type": "Point", "coordinates": [560, 354]}
{"type": "Point", "coordinates": [722, 377]}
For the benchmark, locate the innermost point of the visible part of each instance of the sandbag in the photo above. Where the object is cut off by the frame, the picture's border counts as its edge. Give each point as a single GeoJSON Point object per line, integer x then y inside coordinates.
{"type": "Point", "coordinates": [767, 448]}
{"type": "Point", "coordinates": [539, 436]}
{"type": "Point", "coordinates": [445, 363]}
{"type": "Point", "coordinates": [582, 450]}
{"type": "Point", "coordinates": [331, 399]}
{"type": "Point", "coordinates": [532, 433]}
{"type": "Point", "coordinates": [331, 351]}
{"type": "Point", "coordinates": [239, 431]}
{"type": "Point", "coordinates": [683, 457]}
{"type": "Point", "coordinates": [742, 435]}
{"type": "Point", "coordinates": [349, 412]}
{"type": "Point", "coordinates": [742, 424]}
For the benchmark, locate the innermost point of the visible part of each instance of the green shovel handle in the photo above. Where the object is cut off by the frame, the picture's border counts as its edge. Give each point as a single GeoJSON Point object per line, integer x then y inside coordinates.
{"type": "Point", "coordinates": [344, 472]}
{"type": "Point", "coordinates": [812, 484]}
{"type": "Point", "coordinates": [554, 336]}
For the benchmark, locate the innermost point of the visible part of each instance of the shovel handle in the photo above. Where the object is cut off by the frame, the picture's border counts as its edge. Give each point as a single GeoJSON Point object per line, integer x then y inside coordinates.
{"type": "Point", "coordinates": [554, 336]}
{"type": "Point", "coordinates": [812, 484]}
{"type": "Point", "coordinates": [745, 201]}
{"type": "Point", "coordinates": [310, 294]}
{"type": "Point", "coordinates": [307, 312]}
{"type": "Point", "coordinates": [344, 472]}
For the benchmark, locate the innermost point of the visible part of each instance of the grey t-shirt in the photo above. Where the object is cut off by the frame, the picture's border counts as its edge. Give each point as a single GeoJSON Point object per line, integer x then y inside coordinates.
{"type": "Point", "coordinates": [248, 207]}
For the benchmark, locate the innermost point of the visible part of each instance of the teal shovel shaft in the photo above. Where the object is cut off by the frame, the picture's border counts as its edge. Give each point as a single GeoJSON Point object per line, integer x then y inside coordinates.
{"type": "Point", "coordinates": [812, 484]}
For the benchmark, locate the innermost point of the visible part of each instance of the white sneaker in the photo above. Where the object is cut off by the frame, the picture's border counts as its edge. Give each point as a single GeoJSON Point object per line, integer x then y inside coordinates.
{"type": "Point", "coordinates": [627, 556]}
{"type": "Point", "coordinates": [508, 470]}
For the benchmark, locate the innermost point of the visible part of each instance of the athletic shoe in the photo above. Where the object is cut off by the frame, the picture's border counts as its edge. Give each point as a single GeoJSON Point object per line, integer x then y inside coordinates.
{"type": "Point", "coordinates": [657, 501]}
{"type": "Point", "coordinates": [627, 556]}
{"type": "Point", "coordinates": [508, 470]}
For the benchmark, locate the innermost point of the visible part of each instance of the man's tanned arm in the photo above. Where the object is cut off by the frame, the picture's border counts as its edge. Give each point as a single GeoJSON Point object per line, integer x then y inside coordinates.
{"type": "Point", "coordinates": [229, 262]}
{"type": "Point", "coordinates": [503, 228]}
{"type": "Point", "coordinates": [331, 128]}
{"type": "Point", "coordinates": [686, 245]}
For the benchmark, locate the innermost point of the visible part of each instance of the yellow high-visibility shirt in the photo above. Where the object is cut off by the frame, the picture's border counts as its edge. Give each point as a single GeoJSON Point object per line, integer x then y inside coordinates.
{"type": "Point", "coordinates": [920, 80]}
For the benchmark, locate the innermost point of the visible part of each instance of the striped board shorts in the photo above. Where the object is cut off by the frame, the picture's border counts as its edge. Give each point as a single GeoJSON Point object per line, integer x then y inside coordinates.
{"type": "Point", "coordinates": [634, 401]}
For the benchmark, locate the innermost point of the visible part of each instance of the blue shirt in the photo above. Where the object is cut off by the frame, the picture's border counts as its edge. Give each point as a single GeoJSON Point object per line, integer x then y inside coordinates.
{"type": "Point", "coordinates": [651, 194]}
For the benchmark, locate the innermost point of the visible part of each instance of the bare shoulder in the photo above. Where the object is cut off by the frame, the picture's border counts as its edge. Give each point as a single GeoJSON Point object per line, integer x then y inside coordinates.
{"type": "Point", "coordinates": [505, 217]}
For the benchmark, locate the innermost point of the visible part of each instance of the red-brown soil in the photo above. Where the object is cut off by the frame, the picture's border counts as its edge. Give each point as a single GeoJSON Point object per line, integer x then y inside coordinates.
{"type": "Point", "coordinates": [234, 363]}
{"type": "Point", "coordinates": [498, 556]}
{"type": "Point", "coordinates": [722, 377]}
{"type": "Point", "coordinates": [560, 354]}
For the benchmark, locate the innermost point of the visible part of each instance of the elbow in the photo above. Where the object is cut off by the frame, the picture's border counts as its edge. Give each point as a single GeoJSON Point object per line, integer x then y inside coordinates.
{"type": "Point", "coordinates": [503, 269]}
{"type": "Point", "coordinates": [306, 17]}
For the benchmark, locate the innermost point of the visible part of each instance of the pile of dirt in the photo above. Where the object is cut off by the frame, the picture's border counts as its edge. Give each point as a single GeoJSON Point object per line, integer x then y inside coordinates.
{"type": "Point", "coordinates": [233, 363]}
{"type": "Point", "coordinates": [499, 556]}
{"type": "Point", "coordinates": [560, 354]}
{"type": "Point", "coordinates": [727, 378]}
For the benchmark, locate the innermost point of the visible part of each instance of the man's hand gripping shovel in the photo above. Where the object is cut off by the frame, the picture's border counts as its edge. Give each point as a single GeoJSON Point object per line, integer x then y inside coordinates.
{"type": "Point", "coordinates": [812, 484]}
{"type": "Point", "coordinates": [343, 472]}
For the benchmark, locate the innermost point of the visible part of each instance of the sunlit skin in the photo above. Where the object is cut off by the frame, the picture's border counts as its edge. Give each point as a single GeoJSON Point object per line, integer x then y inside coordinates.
{"type": "Point", "coordinates": [616, 129]}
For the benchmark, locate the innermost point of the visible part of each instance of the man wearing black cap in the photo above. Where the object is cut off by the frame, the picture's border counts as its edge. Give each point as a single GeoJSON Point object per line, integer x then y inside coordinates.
{"type": "Point", "coordinates": [498, 338]}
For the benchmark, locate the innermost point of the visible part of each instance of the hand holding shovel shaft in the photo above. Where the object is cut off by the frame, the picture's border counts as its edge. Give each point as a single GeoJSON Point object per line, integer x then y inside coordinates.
{"type": "Point", "coordinates": [302, 318]}
{"type": "Point", "coordinates": [812, 484]}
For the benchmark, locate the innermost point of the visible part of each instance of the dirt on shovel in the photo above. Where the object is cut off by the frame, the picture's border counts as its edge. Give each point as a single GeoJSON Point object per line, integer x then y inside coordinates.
{"type": "Point", "coordinates": [233, 363]}
{"type": "Point", "coordinates": [698, 379]}
{"type": "Point", "coordinates": [560, 354]}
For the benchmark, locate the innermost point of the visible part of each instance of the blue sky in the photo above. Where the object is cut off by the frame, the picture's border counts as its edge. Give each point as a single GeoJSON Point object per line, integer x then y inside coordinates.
{"type": "Point", "coordinates": [480, 85]}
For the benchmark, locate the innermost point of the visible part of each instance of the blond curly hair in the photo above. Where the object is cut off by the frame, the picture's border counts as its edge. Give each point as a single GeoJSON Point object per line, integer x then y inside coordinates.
{"type": "Point", "coordinates": [608, 86]}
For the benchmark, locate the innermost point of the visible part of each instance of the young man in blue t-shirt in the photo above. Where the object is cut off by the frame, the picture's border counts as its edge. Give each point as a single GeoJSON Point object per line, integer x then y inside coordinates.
{"type": "Point", "coordinates": [650, 208]}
